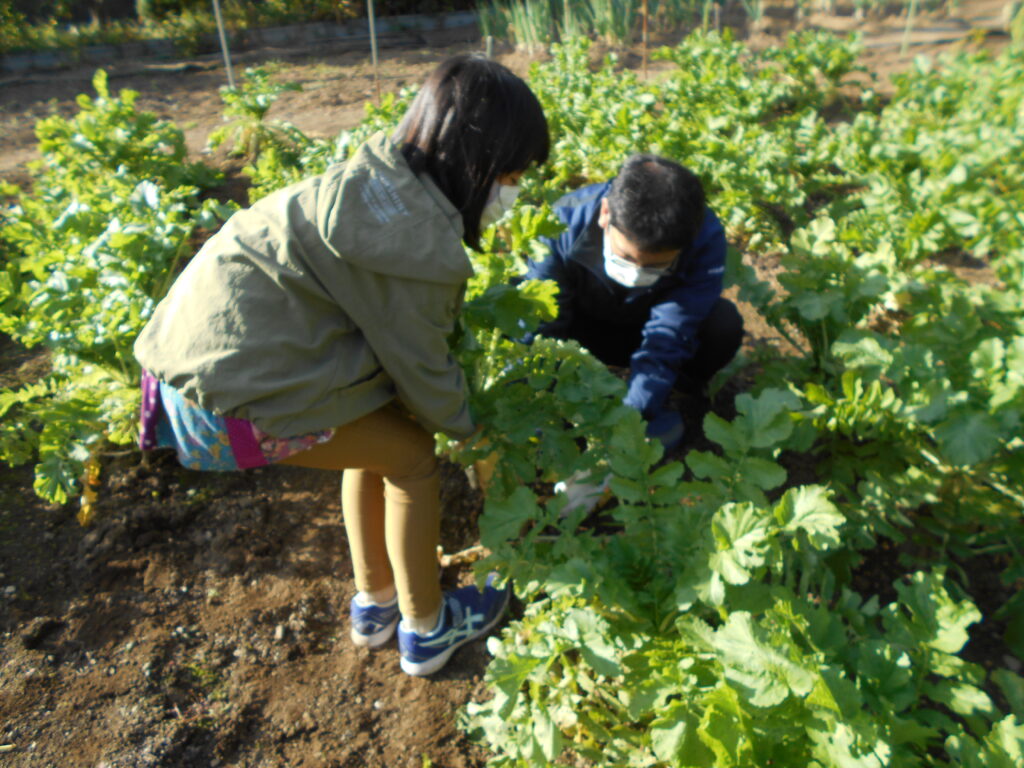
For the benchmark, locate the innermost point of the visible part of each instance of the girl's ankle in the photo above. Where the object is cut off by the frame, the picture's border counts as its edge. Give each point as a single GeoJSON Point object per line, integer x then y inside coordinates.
{"type": "Point", "coordinates": [385, 596]}
{"type": "Point", "coordinates": [423, 625]}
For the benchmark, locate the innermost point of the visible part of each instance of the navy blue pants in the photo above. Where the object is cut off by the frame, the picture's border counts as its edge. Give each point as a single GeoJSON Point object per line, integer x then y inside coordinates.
{"type": "Point", "coordinates": [718, 340]}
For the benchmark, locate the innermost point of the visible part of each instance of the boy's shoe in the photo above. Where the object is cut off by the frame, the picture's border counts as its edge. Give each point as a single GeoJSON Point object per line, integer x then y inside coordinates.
{"type": "Point", "coordinates": [466, 614]}
{"type": "Point", "coordinates": [373, 625]}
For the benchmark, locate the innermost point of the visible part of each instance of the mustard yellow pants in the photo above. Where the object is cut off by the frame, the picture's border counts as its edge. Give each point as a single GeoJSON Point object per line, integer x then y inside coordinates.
{"type": "Point", "coordinates": [390, 499]}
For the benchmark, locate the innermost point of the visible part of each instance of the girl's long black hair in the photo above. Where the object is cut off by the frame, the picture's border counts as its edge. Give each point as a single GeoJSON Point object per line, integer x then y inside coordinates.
{"type": "Point", "coordinates": [472, 121]}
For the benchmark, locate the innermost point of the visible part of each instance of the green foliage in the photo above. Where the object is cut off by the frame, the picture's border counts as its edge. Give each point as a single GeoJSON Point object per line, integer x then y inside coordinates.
{"type": "Point", "coordinates": [296, 157]}
{"type": "Point", "coordinates": [109, 134]}
{"type": "Point", "coordinates": [535, 24]}
{"type": "Point", "coordinates": [245, 107]}
{"type": "Point", "coordinates": [719, 628]}
{"type": "Point", "coordinates": [185, 22]}
{"type": "Point", "coordinates": [89, 253]}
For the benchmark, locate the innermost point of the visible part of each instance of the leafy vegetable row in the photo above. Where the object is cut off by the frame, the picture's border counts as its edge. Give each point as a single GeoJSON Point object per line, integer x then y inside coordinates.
{"type": "Point", "coordinates": [723, 625]}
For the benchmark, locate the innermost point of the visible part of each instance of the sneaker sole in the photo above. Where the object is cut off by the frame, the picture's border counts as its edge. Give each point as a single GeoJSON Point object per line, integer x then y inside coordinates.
{"type": "Point", "coordinates": [377, 639]}
{"type": "Point", "coordinates": [429, 667]}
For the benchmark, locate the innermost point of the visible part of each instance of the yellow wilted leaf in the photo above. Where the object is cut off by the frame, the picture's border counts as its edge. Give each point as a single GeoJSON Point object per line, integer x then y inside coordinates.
{"type": "Point", "coordinates": [90, 482]}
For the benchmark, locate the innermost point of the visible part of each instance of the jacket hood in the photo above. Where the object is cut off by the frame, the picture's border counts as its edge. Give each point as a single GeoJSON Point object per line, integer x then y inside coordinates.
{"type": "Point", "coordinates": [387, 224]}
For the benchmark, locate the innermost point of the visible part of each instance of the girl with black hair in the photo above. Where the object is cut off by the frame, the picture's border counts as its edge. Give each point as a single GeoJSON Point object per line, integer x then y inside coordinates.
{"type": "Point", "coordinates": [312, 330]}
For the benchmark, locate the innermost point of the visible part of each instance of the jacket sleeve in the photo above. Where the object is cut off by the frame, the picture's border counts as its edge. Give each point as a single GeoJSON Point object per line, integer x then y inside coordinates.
{"type": "Point", "coordinates": [407, 324]}
{"type": "Point", "coordinates": [669, 337]}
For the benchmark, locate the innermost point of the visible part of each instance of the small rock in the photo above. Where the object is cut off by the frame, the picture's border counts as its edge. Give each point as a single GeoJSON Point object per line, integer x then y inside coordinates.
{"type": "Point", "coordinates": [91, 539]}
{"type": "Point", "coordinates": [279, 633]}
{"type": "Point", "coordinates": [378, 705]}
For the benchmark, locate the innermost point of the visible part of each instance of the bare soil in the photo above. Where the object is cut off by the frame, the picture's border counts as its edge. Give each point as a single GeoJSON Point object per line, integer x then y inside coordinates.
{"type": "Point", "coordinates": [202, 621]}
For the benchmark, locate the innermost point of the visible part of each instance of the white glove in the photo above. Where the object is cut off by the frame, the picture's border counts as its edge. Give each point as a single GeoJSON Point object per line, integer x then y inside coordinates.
{"type": "Point", "coordinates": [581, 493]}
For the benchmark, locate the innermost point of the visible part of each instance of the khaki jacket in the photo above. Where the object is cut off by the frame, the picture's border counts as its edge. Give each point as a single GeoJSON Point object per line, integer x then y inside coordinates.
{"type": "Point", "coordinates": [321, 303]}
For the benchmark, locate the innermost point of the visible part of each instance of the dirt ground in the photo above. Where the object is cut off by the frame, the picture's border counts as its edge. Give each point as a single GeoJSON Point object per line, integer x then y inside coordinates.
{"type": "Point", "coordinates": [203, 620]}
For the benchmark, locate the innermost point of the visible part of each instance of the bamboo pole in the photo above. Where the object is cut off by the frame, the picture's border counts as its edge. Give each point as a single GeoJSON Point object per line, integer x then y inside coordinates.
{"type": "Point", "coordinates": [373, 49]}
{"type": "Point", "coordinates": [223, 43]}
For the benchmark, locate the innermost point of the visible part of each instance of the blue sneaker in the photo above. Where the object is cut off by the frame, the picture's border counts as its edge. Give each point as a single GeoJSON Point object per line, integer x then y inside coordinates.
{"type": "Point", "coordinates": [373, 625]}
{"type": "Point", "coordinates": [466, 614]}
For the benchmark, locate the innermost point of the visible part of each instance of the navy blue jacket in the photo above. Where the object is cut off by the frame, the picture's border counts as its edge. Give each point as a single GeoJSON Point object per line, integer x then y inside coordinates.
{"type": "Point", "coordinates": [651, 329]}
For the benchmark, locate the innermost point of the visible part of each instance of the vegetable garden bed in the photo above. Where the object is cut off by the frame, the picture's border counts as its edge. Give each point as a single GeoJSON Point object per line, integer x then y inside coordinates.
{"type": "Point", "coordinates": [830, 576]}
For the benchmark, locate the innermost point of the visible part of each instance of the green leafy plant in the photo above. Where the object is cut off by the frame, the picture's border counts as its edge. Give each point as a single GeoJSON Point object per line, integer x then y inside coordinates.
{"type": "Point", "coordinates": [89, 252]}
{"type": "Point", "coordinates": [246, 106]}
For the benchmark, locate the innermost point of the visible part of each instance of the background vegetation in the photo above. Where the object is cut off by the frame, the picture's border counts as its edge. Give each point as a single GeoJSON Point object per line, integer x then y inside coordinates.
{"type": "Point", "coordinates": [63, 24]}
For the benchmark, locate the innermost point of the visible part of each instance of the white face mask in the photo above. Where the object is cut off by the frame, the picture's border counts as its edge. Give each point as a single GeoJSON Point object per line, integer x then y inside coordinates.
{"type": "Point", "coordinates": [503, 197]}
{"type": "Point", "coordinates": [626, 273]}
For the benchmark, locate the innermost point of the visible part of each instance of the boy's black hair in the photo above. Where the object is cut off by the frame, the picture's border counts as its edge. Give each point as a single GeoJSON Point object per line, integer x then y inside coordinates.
{"type": "Point", "coordinates": [472, 121]}
{"type": "Point", "coordinates": [656, 203]}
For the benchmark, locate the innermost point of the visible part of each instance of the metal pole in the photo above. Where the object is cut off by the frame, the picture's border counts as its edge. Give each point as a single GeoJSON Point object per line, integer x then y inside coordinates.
{"type": "Point", "coordinates": [489, 46]}
{"type": "Point", "coordinates": [223, 43]}
{"type": "Point", "coordinates": [911, 14]}
{"type": "Point", "coordinates": [644, 11]}
{"type": "Point", "coordinates": [373, 48]}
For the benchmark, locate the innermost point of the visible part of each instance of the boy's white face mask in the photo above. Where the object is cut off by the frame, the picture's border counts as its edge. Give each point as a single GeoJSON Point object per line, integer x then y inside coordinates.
{"type": "Point", "coordinates": [503, 197]}
{"type": "Point", "coordinates": [626, 273]}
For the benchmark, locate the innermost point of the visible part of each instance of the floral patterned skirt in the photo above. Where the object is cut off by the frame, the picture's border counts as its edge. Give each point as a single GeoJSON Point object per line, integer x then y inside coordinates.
{"type": "Point", "coordinates": [206, 440]}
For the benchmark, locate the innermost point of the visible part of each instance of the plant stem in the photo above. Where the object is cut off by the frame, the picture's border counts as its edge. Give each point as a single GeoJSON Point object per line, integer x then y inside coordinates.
{"type": "Point", "coordinates": [169, 279]}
